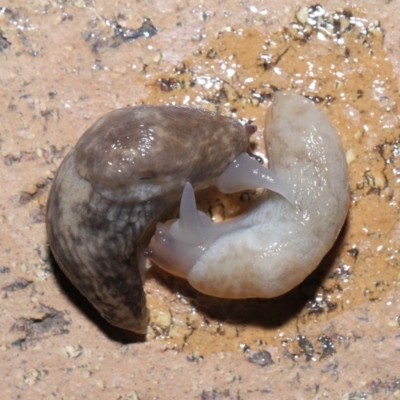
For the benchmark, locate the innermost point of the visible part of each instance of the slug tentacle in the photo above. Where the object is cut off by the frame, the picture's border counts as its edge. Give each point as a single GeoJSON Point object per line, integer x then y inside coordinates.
{"type": "Point", "coordinates": [245, 173]}
{"type": "Point", "coordinates": [178, 244]}
{"type": "Point", "coordinates": [193, 225]}
{"type": "Point", "coordinates": [124, 174]}
{"type": "Point", "coordinates": [277, 243]}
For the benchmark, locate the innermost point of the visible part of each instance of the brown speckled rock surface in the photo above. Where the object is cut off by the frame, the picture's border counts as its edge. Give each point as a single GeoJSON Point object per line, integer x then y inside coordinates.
{"type": "Point", "coordinates": [64, 64]}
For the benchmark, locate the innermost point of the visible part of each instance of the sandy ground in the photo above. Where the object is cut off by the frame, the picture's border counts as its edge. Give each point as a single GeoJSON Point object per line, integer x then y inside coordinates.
{"type": "Point", "coordinates": [64, 64]}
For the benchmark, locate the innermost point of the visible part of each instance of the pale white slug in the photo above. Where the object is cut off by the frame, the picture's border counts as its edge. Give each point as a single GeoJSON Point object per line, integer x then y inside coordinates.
{"type": "Point", "coordinates": [122, 175]}
{"type": "Point", "coordinates": [277, 243]}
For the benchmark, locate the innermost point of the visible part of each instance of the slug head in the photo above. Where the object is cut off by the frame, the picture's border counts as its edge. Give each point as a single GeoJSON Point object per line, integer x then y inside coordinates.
{"type": "Point", "coordinates": [178, 244]}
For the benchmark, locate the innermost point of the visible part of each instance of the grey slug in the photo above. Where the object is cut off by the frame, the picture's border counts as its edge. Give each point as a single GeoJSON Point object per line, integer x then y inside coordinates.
{"type": "Point", "coordinates": [112, 187]}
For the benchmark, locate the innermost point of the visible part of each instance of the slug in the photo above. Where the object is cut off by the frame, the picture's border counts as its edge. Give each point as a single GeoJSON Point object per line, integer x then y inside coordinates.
{"type": "Point", "coordinates": [123, 174]}
{"type": "Point", "coordinates": [273, 247]}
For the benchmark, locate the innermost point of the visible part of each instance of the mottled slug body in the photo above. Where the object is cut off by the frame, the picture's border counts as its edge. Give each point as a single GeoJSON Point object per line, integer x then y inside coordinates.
{"type": "Point", "coordinates": [116, 182]}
